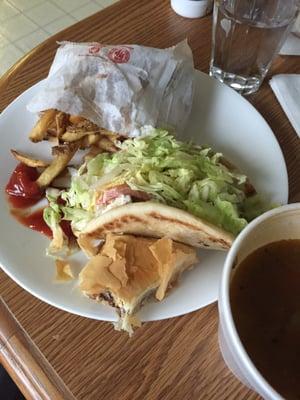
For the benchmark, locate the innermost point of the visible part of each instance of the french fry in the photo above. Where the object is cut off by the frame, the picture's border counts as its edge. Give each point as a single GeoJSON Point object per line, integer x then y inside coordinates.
{"type": "Point", "coordinates": [87, 126]}
{"type": "Point", "coordinates": [28, 160]}
{"type": "Point", "coordinates": [53, 139]}
{"type": "Point", "coordinates": [61, 121]}
{"type": "Point", "coordinates": [52, 133]}
{"type": "Point", "coordinates": [76, 119]}
{"type": "Point", "coordinates": [39, 131]}
{"type": "Point", "coordinates": [112, 135]}
{"type": "Point", "coordinates": [65, 149]}
{"type": "Point", "coordinates": [107, 145]}
{"type": "Point", "coordinates": [94, 151]}
{"type": "Point", "coordinates": [90, 140]}
{"type": "Point", "coordinates": [62, 155]}
{"type": "Point", "coordinates": [79, 122]}
{"type": "Point", "coordinates": [72, 136]}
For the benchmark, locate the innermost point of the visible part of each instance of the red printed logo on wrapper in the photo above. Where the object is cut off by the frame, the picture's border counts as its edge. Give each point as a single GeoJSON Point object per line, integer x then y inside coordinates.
{"type": "Point", "coordinates": [119, 55]}
{"type": "Point", "coordinates": [95, 48]}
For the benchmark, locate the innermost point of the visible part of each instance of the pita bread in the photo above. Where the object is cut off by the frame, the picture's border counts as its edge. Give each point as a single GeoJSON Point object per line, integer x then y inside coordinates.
{"type": "Point", "coordinates": [156, 220]}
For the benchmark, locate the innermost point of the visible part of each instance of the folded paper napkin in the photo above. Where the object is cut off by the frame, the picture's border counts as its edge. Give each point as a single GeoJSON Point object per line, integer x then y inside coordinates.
{"type": "Point", "coordinates": [120, 87]}
{"type": "Point", "coordinates": [291, 47]}
{"type": "Point", "coordinates": [287, 90]}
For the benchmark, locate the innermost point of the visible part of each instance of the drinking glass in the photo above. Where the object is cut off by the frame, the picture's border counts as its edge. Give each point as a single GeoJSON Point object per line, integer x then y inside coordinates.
{"type": "Point", "coordinates": [247, 35]}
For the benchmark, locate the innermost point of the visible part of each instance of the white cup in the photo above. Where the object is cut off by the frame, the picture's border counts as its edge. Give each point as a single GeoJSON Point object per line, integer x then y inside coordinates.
{"type": "Point", "coordinates": [192, 8]}
{"type": "Point", "coordinates": [278, 224]}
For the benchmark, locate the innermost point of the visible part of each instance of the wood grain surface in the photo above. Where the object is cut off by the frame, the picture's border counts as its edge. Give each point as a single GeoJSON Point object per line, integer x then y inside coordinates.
{"type": "Point", "coordinates": [28, 367]}
{"type": "Point", "coordinates": [177, 358]}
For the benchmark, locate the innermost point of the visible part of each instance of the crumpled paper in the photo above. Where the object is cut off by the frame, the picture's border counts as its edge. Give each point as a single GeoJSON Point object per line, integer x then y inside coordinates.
{"type": "Point", "coordinates": [120, 87]}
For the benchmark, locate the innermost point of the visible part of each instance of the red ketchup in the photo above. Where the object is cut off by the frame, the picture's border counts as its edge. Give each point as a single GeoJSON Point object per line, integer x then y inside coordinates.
{"type": "Point", "coordinates": [66, 227]}
{"type": "Point", "coordinates": [23, 192]}
{"type": "Point", "coordinates": [33, 221]}
{"type": "Point", "coordinates": [22, 188]}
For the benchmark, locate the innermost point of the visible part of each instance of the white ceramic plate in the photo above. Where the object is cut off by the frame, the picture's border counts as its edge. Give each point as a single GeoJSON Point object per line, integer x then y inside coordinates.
{"type": "Point", "coordinates": [221, 118]}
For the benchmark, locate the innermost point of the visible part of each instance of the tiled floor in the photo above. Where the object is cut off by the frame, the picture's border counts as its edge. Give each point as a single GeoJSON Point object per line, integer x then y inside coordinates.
{"type": "Point", "coordinates": [26, 23]}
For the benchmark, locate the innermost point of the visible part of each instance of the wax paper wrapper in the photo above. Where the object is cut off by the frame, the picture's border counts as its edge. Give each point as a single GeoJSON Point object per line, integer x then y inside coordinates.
{"type": "Point", "coordinates": [120, 87]}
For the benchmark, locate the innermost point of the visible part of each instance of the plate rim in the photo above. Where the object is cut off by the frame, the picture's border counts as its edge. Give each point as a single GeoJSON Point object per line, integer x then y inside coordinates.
{"type": "Point", "coordinates": [91, 315]}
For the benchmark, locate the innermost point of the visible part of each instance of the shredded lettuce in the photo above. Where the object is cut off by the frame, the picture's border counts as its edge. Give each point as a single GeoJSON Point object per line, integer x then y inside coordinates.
{"type": "Point", "coordinates": [79, 217]}
{"type": "Point", "coordinates": [52, 213]}
{"type": "Point", "coordinates": [178, 174]}
{"type": "Point", "coordinates": [52, 216]}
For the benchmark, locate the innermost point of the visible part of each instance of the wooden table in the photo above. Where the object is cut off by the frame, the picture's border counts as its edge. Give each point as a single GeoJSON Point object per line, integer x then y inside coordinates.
{"type": "Point", "coordinates": [177, 358]}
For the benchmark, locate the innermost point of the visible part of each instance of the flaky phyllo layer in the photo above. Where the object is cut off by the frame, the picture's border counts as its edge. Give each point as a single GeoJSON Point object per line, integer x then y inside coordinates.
{"type": "Point", "coordinates": [128, 269]}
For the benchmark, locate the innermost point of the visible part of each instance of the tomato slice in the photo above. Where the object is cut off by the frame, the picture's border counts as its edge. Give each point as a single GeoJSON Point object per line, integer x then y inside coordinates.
{"type": "Point", "coordinates": [116, 191]}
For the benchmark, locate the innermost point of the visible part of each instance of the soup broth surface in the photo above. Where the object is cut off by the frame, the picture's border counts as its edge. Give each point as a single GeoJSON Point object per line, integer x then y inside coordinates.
{"type": "Point", "coordinates": [265, 302]}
